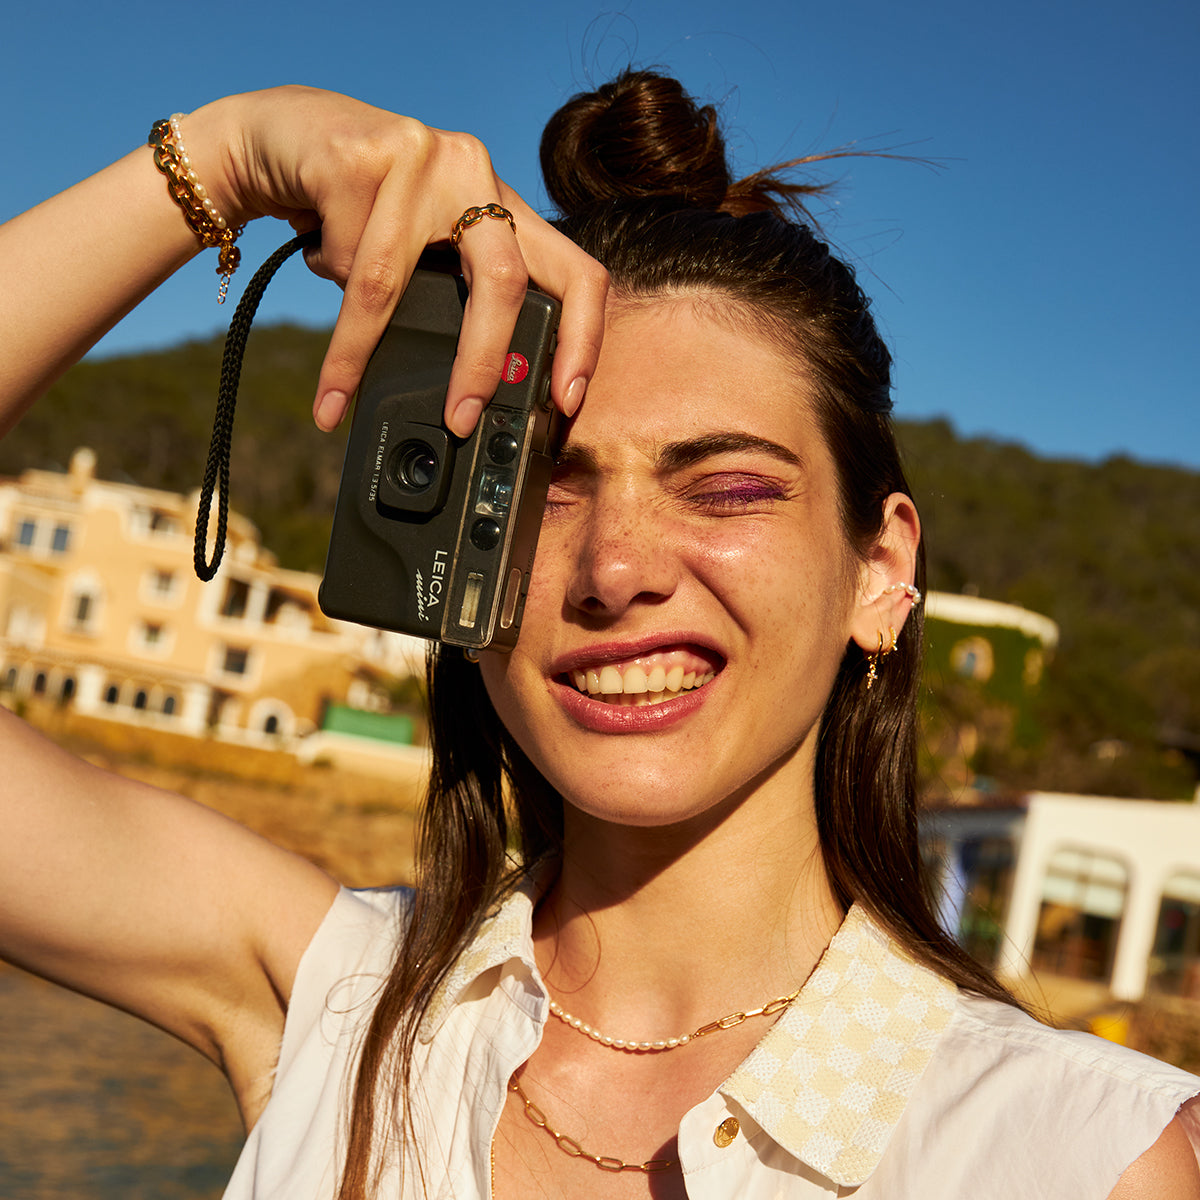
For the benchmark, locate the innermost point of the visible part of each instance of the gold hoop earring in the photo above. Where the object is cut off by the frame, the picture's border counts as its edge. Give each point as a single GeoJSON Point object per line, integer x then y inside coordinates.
{"type": "Point", "coordinates": [873, 663]}
{"type": "Point", "coordinates": [882, 652]}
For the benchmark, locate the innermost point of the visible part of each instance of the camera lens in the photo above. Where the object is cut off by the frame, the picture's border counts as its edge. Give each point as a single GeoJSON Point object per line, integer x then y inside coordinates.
{"type": "Point", "coordinates": [414, 467]}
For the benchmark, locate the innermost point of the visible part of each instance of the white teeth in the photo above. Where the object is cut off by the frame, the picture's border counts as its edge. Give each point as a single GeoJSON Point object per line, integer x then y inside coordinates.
{"type": "Point", "coordinates": [634, 683]}
{"type": "Point", "coordinates": [635, 686]}
{"type": "Point", "coordinates": [610, 682]}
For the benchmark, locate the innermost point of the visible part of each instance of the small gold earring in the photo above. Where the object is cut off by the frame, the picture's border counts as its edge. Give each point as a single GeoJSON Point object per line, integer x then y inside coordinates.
{"type": "Point", "coordinates": [882, 652]}
{"type": "Point", "coordinates": [873, 663]}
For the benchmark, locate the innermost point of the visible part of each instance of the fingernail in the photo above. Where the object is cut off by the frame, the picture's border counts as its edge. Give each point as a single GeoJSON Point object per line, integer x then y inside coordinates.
{"type": "Point", "coordinates": [574, 397]}
{"type": "Point", "coordinates": [330, 409]}
{"type": "Point", "coordinates": [465, 416]}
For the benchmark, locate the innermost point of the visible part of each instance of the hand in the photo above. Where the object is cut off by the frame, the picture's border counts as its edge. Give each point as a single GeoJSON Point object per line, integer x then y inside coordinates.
{"type": "Point", "coordinates": [381, 188]}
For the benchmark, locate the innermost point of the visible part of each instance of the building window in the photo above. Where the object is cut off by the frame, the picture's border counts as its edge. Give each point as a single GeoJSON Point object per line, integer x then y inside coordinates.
{"type": "Point", "coordinates": [151, 636]}
{"type": "Point", "coordinates": [39, 684]}
{"type": "Point", "coordinates": [139, 699]}
{"type": "Point", "coordinates": [152, 521]}
{"type": "Point", "coordinates": [237, 593]}
{"type": "Point", "coordinates": [236, 661]}
{"type": "Point", "coordinates": [972, 658]}
{"type": "Point", "coordinates": [10, 679]}
{"type": "Point", "coordinates": [83, 608]}
{"type": "Point", "coordinates": [271, 725]}
{"type": "Point", "coordinates": [1083, 896]}
{"type": "Point", "coordinates": [60, 541]}
{"type": "Point", "coordinates": [168, 706]}
{"type": "Point", "coordinates": [160, 584]}
{"type": "Point", "coordinates": [68, 689]}
{"type": "Point", "coordinates": [26, 533]}
{"type": "Point", "coordinates": [112, 694]}
{"type": "Point", "coordinates": [1175, 963]}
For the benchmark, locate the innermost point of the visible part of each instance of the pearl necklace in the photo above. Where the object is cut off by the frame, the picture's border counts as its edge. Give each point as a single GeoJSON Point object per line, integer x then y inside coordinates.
{"type": "Point", "coordinates": [656, 1047]}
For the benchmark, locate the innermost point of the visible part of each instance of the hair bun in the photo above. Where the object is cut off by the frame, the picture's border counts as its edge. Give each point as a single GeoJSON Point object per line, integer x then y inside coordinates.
{"type": "Point", "coordinates": [639, 137]}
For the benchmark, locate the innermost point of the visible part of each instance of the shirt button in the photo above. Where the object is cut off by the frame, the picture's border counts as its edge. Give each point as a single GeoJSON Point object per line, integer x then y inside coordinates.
{"type": "Point", "coordinates": [726, 1132]}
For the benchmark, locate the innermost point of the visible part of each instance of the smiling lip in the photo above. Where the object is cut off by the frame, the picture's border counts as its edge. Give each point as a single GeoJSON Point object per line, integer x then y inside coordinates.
{"type": "Point", "coordinates": [633, 687]}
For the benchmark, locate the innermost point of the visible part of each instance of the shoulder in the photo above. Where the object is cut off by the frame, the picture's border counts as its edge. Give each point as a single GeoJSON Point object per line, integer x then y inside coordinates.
{"type": "Point", "coordinates": [1007, 1040]}
{"type": "Point", "coordinates": [1167, 1171]}
{"type": "Point", "coordinates": [1046, 1112]}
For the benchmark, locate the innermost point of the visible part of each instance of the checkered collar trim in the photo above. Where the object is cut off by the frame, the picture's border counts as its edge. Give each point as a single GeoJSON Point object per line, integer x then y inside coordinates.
{"type": "Point", "coordinates": [504, 935]}
{"type": "Point", "coordinates": [831, 1079]}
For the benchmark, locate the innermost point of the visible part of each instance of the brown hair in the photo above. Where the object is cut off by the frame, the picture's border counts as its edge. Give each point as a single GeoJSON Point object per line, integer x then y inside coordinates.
{"type": "Point", "coordinates": [637, 164]}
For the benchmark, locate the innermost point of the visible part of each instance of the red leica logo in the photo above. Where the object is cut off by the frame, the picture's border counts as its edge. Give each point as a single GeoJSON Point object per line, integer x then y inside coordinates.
{"type": "Point", "coordinates": [516, 367]}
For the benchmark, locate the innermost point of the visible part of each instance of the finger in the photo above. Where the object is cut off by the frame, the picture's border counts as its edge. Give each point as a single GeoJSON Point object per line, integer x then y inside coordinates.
{"type": "Point", "coordinates": [382, 263]}
{"type": "Point", "coordinates": [496, 279]}
{"type": "Point", "coordinates": [581, 284]}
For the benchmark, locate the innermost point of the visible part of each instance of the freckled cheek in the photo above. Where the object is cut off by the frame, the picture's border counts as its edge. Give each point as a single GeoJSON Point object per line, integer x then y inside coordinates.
{"type": "Point", "coordinates": [765, 569]}
{"type": "Point", "coordinates": [551, 565]}
{"type": "Point", "coordinates": [782, 589]}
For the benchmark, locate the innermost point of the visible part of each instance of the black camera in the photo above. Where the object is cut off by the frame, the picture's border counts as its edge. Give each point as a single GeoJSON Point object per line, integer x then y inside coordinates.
{"type": "Point", "coordinates": [433, 535]}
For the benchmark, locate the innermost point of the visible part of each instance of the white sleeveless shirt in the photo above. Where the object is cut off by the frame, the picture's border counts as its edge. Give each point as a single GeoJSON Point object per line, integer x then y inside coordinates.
{"type": "Point", "coordinates": [881, 1081]}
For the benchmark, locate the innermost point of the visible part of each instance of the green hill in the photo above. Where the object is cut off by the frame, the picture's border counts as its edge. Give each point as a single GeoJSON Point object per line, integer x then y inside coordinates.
{"type": "Point", "coordinates": [1110, 551]}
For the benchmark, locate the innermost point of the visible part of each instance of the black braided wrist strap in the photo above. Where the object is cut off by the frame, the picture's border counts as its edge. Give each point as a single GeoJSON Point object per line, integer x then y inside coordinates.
{"type": "Point", "coordinates": [217, 469]}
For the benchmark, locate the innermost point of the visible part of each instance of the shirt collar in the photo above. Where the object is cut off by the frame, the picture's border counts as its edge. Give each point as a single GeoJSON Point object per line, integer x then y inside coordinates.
{"type": "Point", "coordinates": [505, 935]}
{"type": "Point", "coordinates": [831, 1078]}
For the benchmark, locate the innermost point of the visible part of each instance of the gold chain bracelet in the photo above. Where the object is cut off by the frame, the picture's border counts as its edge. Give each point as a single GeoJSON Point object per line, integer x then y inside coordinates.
{"type": "Point", "coordinates": [190, 195]}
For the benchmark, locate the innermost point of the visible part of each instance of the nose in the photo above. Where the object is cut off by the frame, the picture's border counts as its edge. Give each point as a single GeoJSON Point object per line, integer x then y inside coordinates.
{"type": "Point", "coordinates": [624, 556]}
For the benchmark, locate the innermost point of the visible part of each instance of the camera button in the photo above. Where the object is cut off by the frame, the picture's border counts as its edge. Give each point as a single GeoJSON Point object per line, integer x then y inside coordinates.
{"type": "Point", "coordinates": [485, 534]}
{"type": "Point", "coordinates": [502, 448]}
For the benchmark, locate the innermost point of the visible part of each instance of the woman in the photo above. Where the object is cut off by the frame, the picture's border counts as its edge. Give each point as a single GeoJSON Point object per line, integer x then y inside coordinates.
{"type": "Point", "coordinates": [705, 734]}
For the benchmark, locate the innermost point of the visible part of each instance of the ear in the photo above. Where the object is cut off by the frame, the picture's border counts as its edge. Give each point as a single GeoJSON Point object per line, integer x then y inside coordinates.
{"type": "Point", "coordinates": [892, 560]}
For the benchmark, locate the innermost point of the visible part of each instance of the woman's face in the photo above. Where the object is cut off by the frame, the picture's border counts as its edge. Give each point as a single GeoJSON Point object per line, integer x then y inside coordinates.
{"type": "Point", "coordinates": [693, 593]}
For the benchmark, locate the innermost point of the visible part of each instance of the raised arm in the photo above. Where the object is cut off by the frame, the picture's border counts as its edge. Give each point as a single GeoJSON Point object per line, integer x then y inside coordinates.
{"type": "Point", "coordinates": [380, 187]}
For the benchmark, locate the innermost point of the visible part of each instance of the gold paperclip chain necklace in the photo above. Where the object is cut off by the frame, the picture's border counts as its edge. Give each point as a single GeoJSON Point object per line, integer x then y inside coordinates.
{"type": "Point", "coordinates": [570, 1147]}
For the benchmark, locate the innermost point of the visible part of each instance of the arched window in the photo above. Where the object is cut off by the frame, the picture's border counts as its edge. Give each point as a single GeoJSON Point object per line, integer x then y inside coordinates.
{"type": "Point", "coordinates": [140, 698]}
{"type": "Point", "coordinates": [1083, 896]}
{"type": "Point", "coordinates": [39, 684]}
{"type": "Point", "coordinates": [168, 706]}
{"type": "Point", "coordinates": [112, 694]}
{"type": "Point", "coordinates": [10, 679]}
{"type": "Point", "coordinates": [68, 688]}
{"type": "Point", "coordinates": [1175, 963]}
{"type": "Point", "coordinates": [271, 725]}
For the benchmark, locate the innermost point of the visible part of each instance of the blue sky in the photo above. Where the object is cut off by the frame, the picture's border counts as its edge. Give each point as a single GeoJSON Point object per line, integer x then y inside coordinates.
{"type": "Point", "coordinates": [1039, 287]}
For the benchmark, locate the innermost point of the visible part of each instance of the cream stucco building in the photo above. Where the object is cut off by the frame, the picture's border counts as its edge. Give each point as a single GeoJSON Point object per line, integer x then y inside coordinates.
{"type": "Point", "coordinates": [100, 609]}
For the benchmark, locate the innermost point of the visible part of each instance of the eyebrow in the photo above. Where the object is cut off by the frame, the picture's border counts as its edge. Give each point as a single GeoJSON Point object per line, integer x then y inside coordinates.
{"type": "Point", "coordinates": [677, 456]}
